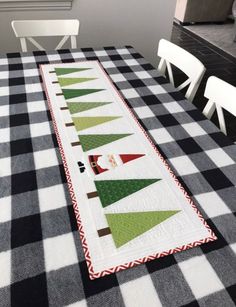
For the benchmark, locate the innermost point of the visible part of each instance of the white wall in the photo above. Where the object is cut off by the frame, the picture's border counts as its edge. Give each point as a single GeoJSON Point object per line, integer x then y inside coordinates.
{"type": "Point", "coordinates": [105, 23]}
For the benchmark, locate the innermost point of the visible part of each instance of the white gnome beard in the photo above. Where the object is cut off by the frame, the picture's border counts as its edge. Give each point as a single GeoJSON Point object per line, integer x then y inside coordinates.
{"type": "Point", "coordinates": [105, 163]}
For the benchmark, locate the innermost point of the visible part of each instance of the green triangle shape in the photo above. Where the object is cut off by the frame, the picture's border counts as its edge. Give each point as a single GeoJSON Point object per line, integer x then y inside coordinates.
{"type": "Point", "coordinates": [82, 123]}
{"type": "Point", "coordinates": [70, 81]}
{"type": "Point", "coordinates": [110, 191]}
{"type": "Point", "coordinates": [72, 93]}
{"type": "Point", "coordinates": [65, 71]}
{"type": "Point", "coordinates": [76, 107]}
{"type": "Point", "coordinates": [91, 141]}
{"type": "Point", "coordinates": [128, 226]}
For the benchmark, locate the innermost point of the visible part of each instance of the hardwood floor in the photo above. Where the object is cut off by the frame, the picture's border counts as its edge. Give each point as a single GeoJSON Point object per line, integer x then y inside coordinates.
{"type": "Point", "coordinates": [217, 63]}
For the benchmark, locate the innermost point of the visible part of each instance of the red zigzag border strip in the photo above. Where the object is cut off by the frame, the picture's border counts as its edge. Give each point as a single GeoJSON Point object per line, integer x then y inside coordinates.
{"type": "Point", "coordinates": [92, 274]}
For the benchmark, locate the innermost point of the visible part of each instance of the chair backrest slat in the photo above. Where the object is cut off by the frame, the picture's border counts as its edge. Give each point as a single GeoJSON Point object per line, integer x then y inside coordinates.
{"type": "Point", "coordinates": [36, 44]}
{"type": "Point", "coordinates": [62, 42]}
{"type": "Point", "coordinates": [172, 54]}
{"type": "Point", "coordinates": [29, 29]}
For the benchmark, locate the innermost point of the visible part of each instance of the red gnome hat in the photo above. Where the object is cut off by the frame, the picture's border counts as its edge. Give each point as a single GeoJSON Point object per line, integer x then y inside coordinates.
{"type": "Point", "coordinates": [129, 157]}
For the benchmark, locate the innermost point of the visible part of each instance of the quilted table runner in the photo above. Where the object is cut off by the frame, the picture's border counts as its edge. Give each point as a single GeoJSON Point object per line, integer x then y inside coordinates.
{"type": "Point", "coordinates": [130, 208]}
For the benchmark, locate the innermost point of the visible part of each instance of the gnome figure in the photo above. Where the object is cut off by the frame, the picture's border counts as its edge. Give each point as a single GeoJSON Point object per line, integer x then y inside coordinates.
{"type": "Point", "coordinates": [103, 163]}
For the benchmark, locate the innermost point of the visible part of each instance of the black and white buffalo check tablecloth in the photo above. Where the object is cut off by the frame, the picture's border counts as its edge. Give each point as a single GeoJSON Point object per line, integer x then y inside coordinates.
{"type": "Point", "coordinates": [41, 259]}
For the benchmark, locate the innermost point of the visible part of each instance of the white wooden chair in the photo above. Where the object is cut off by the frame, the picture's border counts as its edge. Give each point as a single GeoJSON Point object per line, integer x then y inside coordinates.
{"type": "Point", "coordinates": [172, 54]}
{"type": "Point", "coordinates": [28, 29]}
{"type": "Point", "coordinates": [221, 95]}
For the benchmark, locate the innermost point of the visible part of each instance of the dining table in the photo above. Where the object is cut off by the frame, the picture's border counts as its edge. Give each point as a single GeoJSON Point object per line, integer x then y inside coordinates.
{"type": "Point", "coordinates": [42, 262]}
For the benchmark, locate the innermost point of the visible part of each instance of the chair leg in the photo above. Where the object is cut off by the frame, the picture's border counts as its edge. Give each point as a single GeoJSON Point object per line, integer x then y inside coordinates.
{"type": "Point", "coordinates": [162, 67]}
{"type": "Point", "coordinates": [73, 42]}
{"type": "Point", "coordinates": [23, 44]}
{"type": "Point", "coordinates": [209, 109]}
{"type": "Point", "coordinates": [221, 119]}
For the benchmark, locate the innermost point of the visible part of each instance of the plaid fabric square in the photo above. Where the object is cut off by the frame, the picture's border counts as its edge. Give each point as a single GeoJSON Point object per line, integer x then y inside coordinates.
{"type": "Point", "coordinates": [197, 271]}
{"type": "Point", "coordinates": [5, 209]}
{"type": "Point", "coordinates": [20, 290]}
{"type": "Point", "coordinates": [5, 260]}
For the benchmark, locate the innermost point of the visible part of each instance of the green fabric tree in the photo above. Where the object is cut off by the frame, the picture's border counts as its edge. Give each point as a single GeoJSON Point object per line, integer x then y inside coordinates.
{"type": "Point", "coordinates": [110, 191]}
{"type": "Point", "coordinates": [72, 93]}
{"type": "Point", "coordinates": [76, 107]}
{"type": "Point", "coordinates": [91, 141]}
{"type": "Point", "coordinates": [82, 123]}
{"type": "Point", "coordinates": [69, 81]}
{"type": "Point", "coordinates": [65, 71]}
{"type": "Point", "coordinates": [127, 226]}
